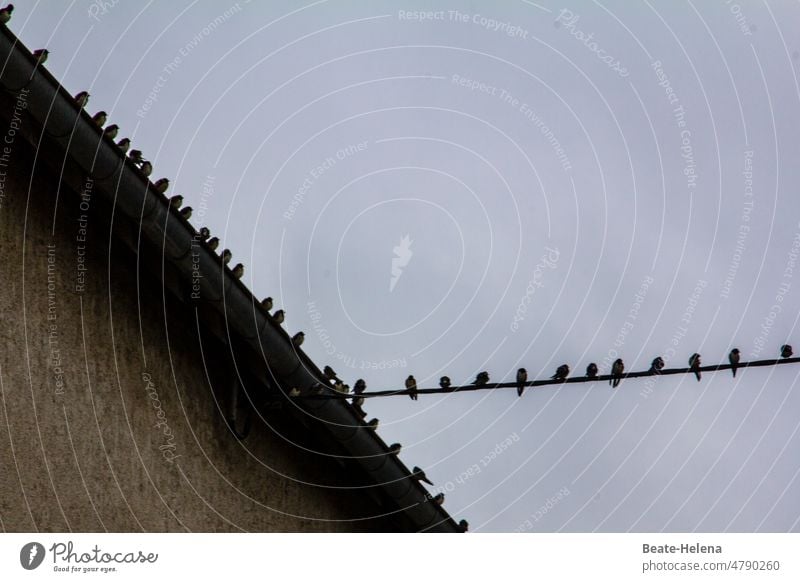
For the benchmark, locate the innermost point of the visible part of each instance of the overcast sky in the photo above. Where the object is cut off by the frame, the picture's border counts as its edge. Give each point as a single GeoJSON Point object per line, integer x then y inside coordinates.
{"type": "Point", "coordinates": [575, 181]}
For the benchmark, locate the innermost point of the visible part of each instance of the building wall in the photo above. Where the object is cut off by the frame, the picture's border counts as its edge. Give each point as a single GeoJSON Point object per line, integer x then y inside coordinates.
{"type": "Point", "coordinates": [109, 396]}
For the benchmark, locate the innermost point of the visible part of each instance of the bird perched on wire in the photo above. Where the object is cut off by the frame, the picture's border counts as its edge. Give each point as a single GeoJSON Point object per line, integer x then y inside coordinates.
{"type": "Point", "coordinates": [694, 365]}
{"type": "Point", "coordinates": [561, 373]}
{"type": "Point", "coordinates": [438, 498]}
{"type": "Point", "coordinates": [176, 201]}
{"type": "Point", "coordinates": [522, 377]}
{"type": "Point", "coordinates": [82, 99]}
{"type": "Point", "coordinates": [5, 14]}
{"type": "Point", "coordinates": [786, 351]}
{"type": "Point", "coordinates": [411, 386]}
{"type": "Point", "coordinates": [657, 365]}
{"type": "Point", "coordinates": [136, 156]}
{"type": "Point", "coordinates": [41, 56]}
{"type": "Point", "coordinates": [213, 243]}
{"type": "Point", "coordinates": [238, 271]}
{"type": "Point", "coordinates": [111, 131]}
{"type": "Point", "coordinates": [373, 424]}
{"type": "Point", "coordinates": [227, 255]}
{"type": "Point", "coordinates": [186, 212]}
{"type": "Point", "coordinates": [124, 144]}
{"type": "Point", "coordinates": [100, 118]}
{"type": "Point", "coordinates": [591, 370]}
{"type": "Point", "coordinates": [419, 475]}
{"type": "Point", "coordinates": [298, 338]}
{"type": "Point", "coordinates": [266, 303]}
{"type": "Point", "coordinates": [394, 449]}
{"type": "Point", "coordinates": [464, 525]}
{"type": "Point", "coordinates": [279, 316]}
{"type": "Point", "coordinates": [734, 358]}
{"type": "Point", "coordinates": [444, 382]}
{"type": "Point", "coordinates": [617, 368]}
{"type": "Point", "coordinates": [359, 387]}
{"type": "Point", "coordinates": [161, 184]}
{"type": "Point", "coordinates": [482, 379]}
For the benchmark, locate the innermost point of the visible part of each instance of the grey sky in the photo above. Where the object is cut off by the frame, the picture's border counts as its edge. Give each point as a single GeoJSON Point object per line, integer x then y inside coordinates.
{"type": "Point", "coordinates": [557, 150]}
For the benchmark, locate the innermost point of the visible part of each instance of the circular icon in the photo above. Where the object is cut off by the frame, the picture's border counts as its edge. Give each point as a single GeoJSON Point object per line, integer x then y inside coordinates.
{"type": "Point", "coordinates": [31, 555]}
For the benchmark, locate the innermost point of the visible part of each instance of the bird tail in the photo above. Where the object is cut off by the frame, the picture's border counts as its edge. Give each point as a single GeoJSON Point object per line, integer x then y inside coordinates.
{"type": "Point", "coordinates": [733, 369]}
{"type": "Point", "coordinates": [520, 390]}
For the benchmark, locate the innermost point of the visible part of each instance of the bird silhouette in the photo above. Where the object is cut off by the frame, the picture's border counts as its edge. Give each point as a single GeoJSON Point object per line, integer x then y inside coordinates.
{"type": "Point", "coordinates": [5, 14]}
{"type": "Point", "coordinates": [522, 377]}
{"type": "Point", "coordinates": [298, 338]}
{"type": "Point", "coordinates": [561, 373]}
{"type": "Point", "coordinates": [136, 156]}
{"type": "Point", "coordinates": [161, 184]}
{"type": "Point", "coordinates": [329, 372]}
{"type": "Point", "coordinates": [82, 99]}
{"type": "Point", "coordinates": [124, 144]}
{"type": "Point", "coordinates": [279, 316]}
{"type": "Point", "coordinates": [213, 243]}
{"type": "Point", "coordinates": [694, 365]}
{"type": "Point", "coordinates": [591, 370]}
{"type": "Point", "coordinates": [227, 255]}
{"type": "Point", "coordinates": [238, 271]}
{"type": "Point", "coordinates": [394, 448]}
{"type": "Point", "coordinates": [111, 131]}
{"type": "Point", "coordinates": [266, 303]}
{"type": "Point", "coordinates": [419, 475]}
{"type": "Point", "coordinates": [482, 379]}
{"type": "Point", "coordinates": [438, 498]}
{"type": "Point", "coordinates": [657, 365]}
{"type": "Point", "coordinates": [360, 386]}
{"type": "Point", "coordinates": [186, 212]}
{"type": "Point", "coordinates": [734, 358]}
{"type": "Point", "coordinates": [616, 372]}
{"type": "Point", "coordinates": [41, 56]}
{"type": "Point", "coordinates": [444, 382]}
{"type": "Point", "coordinates": [411, 386]}
{"type": "Point", "coordinates": [176, 201]}
{"type": "Point", "coordinates": [146, 167]}
{"type": "Point", "coordinates": [373, 424]}
{"type": "Point", "coordinates": [464, 525]}
{"type": "Point", "coordinates": [204, 233]}
{"type": "Point", "coordinates": [786, 351]}
{"type": "Point", "coordinates": [100, 118]}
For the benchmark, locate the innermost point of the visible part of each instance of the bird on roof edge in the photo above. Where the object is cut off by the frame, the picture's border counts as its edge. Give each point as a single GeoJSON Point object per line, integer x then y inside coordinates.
{"type": "Point", "coordinates": [279, 316]}
{"type": "Point", "coordinates": [298, 338]}
{"type": "Point", "coordinates": [419, 475]}
{"type": "Point", "coordinates": [5, 14]}
{"type": "Point", "coordinates": [82, 99]}
{"type": "Point", "coordinates": [41, 56]}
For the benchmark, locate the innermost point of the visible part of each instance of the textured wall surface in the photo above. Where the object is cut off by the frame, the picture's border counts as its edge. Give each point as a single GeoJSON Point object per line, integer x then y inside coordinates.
{"type": "Point", "coordinates": [110, 412]}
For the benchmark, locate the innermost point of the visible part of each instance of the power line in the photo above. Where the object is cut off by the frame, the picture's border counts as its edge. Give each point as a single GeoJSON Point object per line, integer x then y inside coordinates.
{"type": "Point", "coordinates": [534, 383]}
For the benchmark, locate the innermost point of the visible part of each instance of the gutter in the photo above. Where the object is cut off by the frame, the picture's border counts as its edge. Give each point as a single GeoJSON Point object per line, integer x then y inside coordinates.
{"type": "Point", "coordinates": [124, 187]}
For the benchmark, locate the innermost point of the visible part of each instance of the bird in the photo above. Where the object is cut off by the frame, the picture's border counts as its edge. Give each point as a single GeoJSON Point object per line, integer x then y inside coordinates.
{"type": "Point", "coordinates": [591, 370]}
{"type": "Point", "coordinates": [136, 156]}
{"type": "Point", "coordinates": [146, 168]}
{"type": "Point", "coordinates": [561, 373]}
{"type": "Point", "coordinates": [444, 382]}
{"type": "Point", "coordinates": [694, 365]}
{"type": "Point", "coordinates": [294, 392]}
{"type": "Point", "coordinates": [482, 379]}
{"type": "Point", "coordinates": [227, 255]}
{"type": "Point", "coordinates": [41, 56]}
{"type": "Point", "coordinates": [734, 358]}
{"type": "Point", "coordinates": [238, 270]}
{"type": "Point", "coordinates": [213, 243]}
{"type": "Point", "coordinates": [279, 316]}
{"type": "Point", "coordinates": [186, 212]}
{"type": "Point", "coordinates": [176, 201]}
{"type": "Point", "coordinates": [266, 303]}
{"type": "Point", "coordinates": [161, 184]}
{"type": "Point", "coordinates": [394, 449]}
{"type": "Point", "coordinates": [464, 525]}
{"type": "Point", "coordinates": [329, 373]}
{"type": "Point", "coordinates": [111, 131]}
{"type": "Point", "coordinates": [657, 365]}
{"type": "Point", "coordinates": [124, 144]}
{"type": "Point", "coordinates": [100, 118]}
{"type": "Point", "coordinates": [204, 233]}
{"type": "Point", "coordinates": [411, 386]}
{"type": "Point", "coordinates": [438, 498]}
{"type": "Point", "coordinates": [616, 372]}
{"type": "Point", "coordinates": [522, 377]}
{"type": "Point", "coordinates": [297, 339]}
{"type": "Point", "coordinates": [786, 351]}
{"type": "Point", "coordinates": [5, 13]}
{"type": "Point", "coordinates": [419, 475]}
{"type": "Point", "coordinates": [82, 99]}
{"type": "Point", "coordinates": [373, 424]}
{"type": "Point", "coordinates": [359, 387]}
